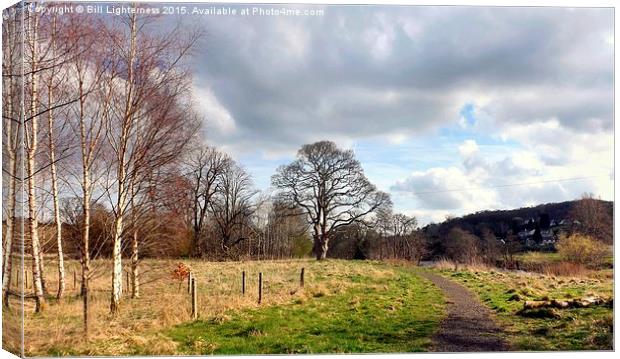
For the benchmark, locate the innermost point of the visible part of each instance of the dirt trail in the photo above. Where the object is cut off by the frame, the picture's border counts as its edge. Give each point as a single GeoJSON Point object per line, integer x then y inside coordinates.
{"type": "Point", "coordinates": [468, 326]}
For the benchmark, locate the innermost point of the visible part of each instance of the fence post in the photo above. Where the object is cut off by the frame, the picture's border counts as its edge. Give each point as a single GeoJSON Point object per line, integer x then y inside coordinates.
{"type": "Point", "coordinates": [26, 279]}
{"type": "Point", "coordinates": [301, 277]}
{"type": "Point", "coordinates": [243, 282]}
{"type": "Point", "coordinates": [260, 287]}
{"type": "Point", "coordinates": [127, 280]}
{"type": "Point", "coordinates": [74, 279]}
{"type": "Point", "coordinates": [194, 300]}
{"type": "Point", "coordinates": [189, 283]}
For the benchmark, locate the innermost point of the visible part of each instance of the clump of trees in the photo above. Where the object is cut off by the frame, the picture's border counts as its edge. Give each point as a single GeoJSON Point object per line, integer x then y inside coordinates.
{"type": "Point", "coordinates": [105, 118]}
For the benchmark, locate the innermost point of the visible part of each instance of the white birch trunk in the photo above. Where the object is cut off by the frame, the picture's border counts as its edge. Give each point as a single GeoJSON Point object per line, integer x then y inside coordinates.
{"type": "Point", "coordinates": [31, 148]}
{"type": "Point", "coordinates": [10, 215]}
{"type": "Point", "coordinates": [52, 154]}
{"type": "Point", "coordinates": [10, 225]}
{"type": "Point", "coordinates": [135, 281]}
{"type": "Point", "coordinates": [121, 175]}
{"type": "Point", "coordinates": [117, 270]}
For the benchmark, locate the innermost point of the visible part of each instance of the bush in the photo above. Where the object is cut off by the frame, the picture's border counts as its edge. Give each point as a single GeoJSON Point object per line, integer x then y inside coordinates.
{"type": "Point", "coordinates": [582, 249]}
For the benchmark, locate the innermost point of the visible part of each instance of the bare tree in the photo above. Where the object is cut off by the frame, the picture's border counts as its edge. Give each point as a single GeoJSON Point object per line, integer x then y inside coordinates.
{"type": "Point", "coordinates": [330, 187]}
{"type": "Point", "coordinates": [11, 139]}
{"type": "Point", "coordinates": [91, 82]}
{"type": "Point", "coordinates": [205, 166]}
{"type": "Point", "coordinates": [33, 60]}
{"type": "Point", "coordinates": [232, 205]}
{"type": "Point", "coordinates": [55, 78]}
{"type": "Point", "coordinates": [145, 115]}
{"type": "Point", "coordinates": [594, 218]}
{"type": "Point", "coordinates": [461, 246]}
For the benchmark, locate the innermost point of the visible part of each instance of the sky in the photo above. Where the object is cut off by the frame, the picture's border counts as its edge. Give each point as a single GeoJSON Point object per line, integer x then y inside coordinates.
{"type": "Point", "coordinates": [451, 110]}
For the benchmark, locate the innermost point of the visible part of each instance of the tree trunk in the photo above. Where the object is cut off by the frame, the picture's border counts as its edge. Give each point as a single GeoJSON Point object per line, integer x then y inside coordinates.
{"type": "Point", "coordinates": [33, 226]}
{"type": "Point", "coordinates": [10, 225]}
{"type": "Point", "coordinates": [42, 267]}
{"type": "Point", "coordinates": [31, 149]}
{"type": "Point", "coordinates": [52, 154]}
{"type": "Point", "coordinates": [11, 142]}
{"type": "Point", "coordinates": [321, 245]}
{"type": "Point", "coordinates": [117, 270]}
{"type": "Point", "coordinates": [86, 193]}
{"type": "Point", "coordinates": [135, 282]}
{"type": "Point", "coordinates": [85, 260]}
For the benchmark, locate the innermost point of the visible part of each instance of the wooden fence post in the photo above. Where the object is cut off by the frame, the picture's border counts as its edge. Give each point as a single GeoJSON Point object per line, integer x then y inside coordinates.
{"type": "Point", "coordinates": [194, 300]}
{"type": "Point", "coordinates": [74, 280]}
{"type": "Point", "coordinates": [260, 287]}
{"type": "Point", "coordinates": [190, 277]}
{"type": "Point", "coordinates": [127, 280]}
{"type": "Point", "coordinates": [26, 279]}
{"type": "Point", "coordinates": [243, 282]}
{"type": "Point", "coordinates": [301, 277]}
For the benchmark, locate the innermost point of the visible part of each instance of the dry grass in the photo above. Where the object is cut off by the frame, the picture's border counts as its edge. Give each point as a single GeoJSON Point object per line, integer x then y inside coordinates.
{"type": "Point", "coordinates": [447, 264]}
{"type": "Point", "coordinates": [566, 269]}
{"type": "Point", "coordinates": [58, 329]}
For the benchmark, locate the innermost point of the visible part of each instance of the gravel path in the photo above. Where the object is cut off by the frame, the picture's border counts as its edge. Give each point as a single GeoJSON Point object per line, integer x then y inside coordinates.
{"type": "Point", "coordinates": [468, 326]}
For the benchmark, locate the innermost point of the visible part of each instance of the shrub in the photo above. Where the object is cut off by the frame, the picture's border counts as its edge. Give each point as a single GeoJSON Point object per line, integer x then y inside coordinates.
{"type": "Point", "coordinates": [181, 272]}
{"type": "Point", "coordinates": [582, 249]}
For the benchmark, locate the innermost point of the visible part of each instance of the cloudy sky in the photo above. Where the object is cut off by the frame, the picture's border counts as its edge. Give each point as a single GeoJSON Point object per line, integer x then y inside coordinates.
{"type": "Point", "coordinates": [449, 109]}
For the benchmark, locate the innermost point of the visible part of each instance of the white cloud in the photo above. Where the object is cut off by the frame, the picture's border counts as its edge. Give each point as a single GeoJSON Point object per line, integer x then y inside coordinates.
{"type": "Point", "coordinates": [217, 117]}
{"type": "Point", "coordinates": [468, 148]}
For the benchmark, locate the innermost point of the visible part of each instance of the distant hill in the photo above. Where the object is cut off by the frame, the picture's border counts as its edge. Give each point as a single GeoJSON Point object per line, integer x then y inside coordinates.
{"type": "Point", "coordinates": [501, 221]}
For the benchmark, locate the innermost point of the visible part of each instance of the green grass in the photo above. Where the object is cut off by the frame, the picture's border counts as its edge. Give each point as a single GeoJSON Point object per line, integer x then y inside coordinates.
{"type": "Point", "coordinates": [536, 257]}
{"type": "Point", "coordinates": [575, 329]}
{"type": "Point", "coordinates": [395, 314]}
{"type": "Point", "coordinates": [541, 258]}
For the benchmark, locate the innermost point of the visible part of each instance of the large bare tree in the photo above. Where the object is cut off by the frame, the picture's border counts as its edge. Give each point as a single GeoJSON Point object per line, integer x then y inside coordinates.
{"type": "Point", "coordinates": [328, 184]}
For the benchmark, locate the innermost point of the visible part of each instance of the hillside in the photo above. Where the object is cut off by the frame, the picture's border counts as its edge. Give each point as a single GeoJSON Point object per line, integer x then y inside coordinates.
{"type": "Point", "coordinates": [500, 221]}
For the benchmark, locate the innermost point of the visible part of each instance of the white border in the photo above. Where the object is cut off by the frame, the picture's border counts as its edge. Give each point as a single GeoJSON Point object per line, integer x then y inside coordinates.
{"type": "Point", "coordinates": [535, 3]}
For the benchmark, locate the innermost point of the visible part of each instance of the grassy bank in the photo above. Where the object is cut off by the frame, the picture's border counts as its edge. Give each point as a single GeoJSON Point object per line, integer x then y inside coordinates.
{"type": "Point", "coordinates": [565, 329]}
{"type": "Point", "coordinates": [396, 313]}
{"type": "Point", "coordinates": [350, 306]}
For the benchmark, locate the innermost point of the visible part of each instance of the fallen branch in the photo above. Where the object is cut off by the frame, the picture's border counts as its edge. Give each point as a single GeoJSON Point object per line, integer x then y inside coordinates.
{"type": "Point", "coordinates": [565, 304]}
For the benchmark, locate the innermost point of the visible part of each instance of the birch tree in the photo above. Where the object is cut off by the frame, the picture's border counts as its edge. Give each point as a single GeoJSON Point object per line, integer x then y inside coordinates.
{"type": "Point", "coordinates": [144, 120]}
{"type": "Point", "coordinates": [87, 117]}
{"type": "Point", "coordinates": [11, 125]}
{"type": "Point", "coordinates": [31, 140]}
{"type": "Point", "coordinates": [53, 83]}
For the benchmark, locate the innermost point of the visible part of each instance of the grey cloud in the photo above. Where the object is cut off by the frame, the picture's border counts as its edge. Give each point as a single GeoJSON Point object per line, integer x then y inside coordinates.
{"type": "Point", "coordinates": [371, 70]}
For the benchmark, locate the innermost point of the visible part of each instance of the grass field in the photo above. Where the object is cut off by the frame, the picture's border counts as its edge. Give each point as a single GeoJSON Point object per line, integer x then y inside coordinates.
{"type": "Point", "coordinates": [345, 306]}
{"type": "Point", "coordinates": [566, 329]}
